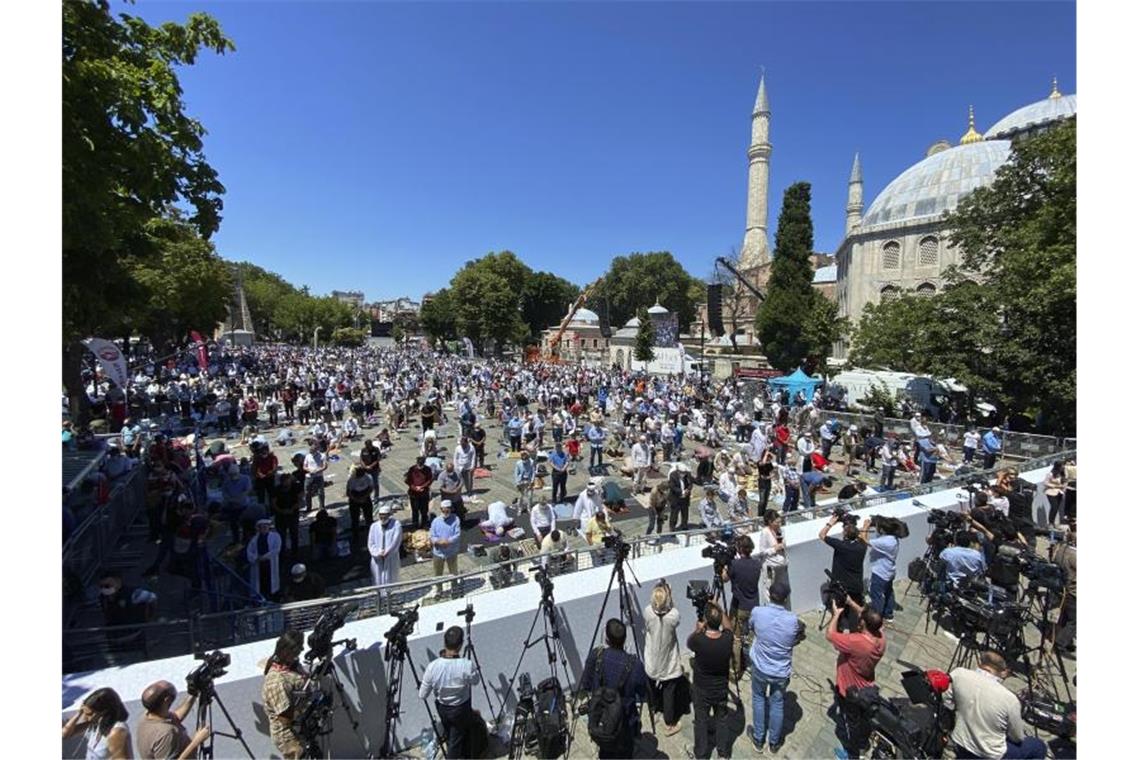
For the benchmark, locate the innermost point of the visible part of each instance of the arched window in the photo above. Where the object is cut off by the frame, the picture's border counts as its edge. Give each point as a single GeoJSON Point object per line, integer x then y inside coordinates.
{"type": "Point", "coordinates": [892, 255]}
{"type": "Point", "coordinates": [928, 252]}
{"type": "Point", "coordinates": [889, 293]}
{"type": "Point", "coordinates": [925, 290]}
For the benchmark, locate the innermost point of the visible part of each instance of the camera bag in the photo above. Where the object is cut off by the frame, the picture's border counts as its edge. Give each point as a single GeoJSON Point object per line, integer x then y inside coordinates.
{"type": "Point", "coordinates": [916, 570]}
{"type": "Point", "coordinates": [550, 718]}
{"type": "Point", "coordinates": [605, 710]}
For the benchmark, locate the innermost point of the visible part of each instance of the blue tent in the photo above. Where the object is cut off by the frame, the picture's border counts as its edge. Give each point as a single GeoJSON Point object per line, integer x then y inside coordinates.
{"type": "Point", "coordinates": [795, 382]}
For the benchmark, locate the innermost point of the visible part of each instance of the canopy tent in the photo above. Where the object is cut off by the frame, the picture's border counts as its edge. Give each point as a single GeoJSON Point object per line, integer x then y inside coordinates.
{"type": "Point", "coordinates": [795, 382]}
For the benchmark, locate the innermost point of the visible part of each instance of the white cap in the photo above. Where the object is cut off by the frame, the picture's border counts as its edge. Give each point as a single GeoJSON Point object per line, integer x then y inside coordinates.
{"type": "Point", "coordinates": [384, 509]}
{"type": "Point", "coordinates": [445, 504]}
{"type": "Point", "coordinates": [298, 569]}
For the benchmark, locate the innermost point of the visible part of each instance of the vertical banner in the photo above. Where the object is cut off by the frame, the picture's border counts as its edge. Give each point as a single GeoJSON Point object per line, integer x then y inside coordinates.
{"type": "Point", "coordinates": [203, 357]}
{"type": "Point", "coordinates": [110, 358]}
{"type": "Point", "coordinates": [470, 348]}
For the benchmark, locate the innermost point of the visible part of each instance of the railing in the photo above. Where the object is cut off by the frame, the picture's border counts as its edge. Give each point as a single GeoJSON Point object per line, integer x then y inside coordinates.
{"type": "Point", "coordinates": [224, 629]}
{"type": "Point", "coordinates": [96, 539]}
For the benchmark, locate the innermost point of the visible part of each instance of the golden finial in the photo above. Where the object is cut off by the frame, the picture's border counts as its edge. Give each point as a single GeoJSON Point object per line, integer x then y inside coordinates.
{"type": "Point", "coordinates": [971, 135]}
{"type": "Point", "coordinates": [1055, 94]}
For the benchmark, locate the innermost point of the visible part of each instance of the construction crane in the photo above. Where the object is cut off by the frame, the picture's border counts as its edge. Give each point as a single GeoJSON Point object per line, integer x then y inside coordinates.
{"type": "Point", "coordinates": [556, 339]}
{"type": "Point", "coordinates": [728, 265]}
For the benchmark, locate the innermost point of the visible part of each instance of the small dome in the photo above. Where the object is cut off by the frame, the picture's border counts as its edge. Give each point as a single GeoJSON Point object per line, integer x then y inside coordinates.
{"type": "Point", "coordinates": [585, 316]}
{"type": "Point", "coordinates": [936, 184]}
{"type": "Point", "coordinates": [633, 322]}
{"type": "Point", "coordinates": [657, 308]}
{"type": "Point", "coordinates": [1035, 114]}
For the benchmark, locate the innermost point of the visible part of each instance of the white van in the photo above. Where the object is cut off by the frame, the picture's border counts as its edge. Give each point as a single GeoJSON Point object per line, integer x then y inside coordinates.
{"type": "Point", "coordinates": [924, 392]}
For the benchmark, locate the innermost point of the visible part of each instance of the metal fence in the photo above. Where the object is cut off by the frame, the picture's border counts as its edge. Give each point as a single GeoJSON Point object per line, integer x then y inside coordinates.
{"type": "Point", "coordinates": [92, 544]}
{"type": "Point", "coordinates": [94, 648]}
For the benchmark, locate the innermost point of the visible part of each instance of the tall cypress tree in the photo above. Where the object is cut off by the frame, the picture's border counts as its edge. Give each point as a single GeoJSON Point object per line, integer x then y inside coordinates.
{"type": "Point", "coordinates": [643, 342]}
{"type": "Point", "coordinates": [789, 301]}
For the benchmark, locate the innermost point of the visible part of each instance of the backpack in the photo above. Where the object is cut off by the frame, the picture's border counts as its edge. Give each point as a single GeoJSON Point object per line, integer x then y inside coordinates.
{"type": "Point", "coordinates": [550, 719]}
{"type": "Point", "coordinates": [606, 711]}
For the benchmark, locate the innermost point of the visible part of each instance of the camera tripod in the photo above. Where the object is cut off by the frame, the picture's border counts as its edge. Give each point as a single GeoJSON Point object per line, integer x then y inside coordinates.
{"type": "Point", "coordinates": [396, 653]}
{"type": "Point", "coordinates": [317, 722]}
{"type": "Point", "coordinates": [1042, 675]}
{"type": "Point", "coordinates": [551, 639]}
{"type": "Point", "coordinates": [625, 608]}
{"type": "Point", "coordinates": [468, 614]}
{"type": "Point", "coordinates": [206, 699]}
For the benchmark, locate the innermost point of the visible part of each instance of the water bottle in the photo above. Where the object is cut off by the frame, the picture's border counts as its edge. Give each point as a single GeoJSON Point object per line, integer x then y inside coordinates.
{"type": "Point", "coordinates": [427, 744]}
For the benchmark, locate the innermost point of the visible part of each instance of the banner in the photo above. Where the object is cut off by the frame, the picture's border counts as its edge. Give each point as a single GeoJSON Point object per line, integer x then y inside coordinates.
{"type": "Point", "coordinates": [470, 348]}
{"type": "Point", "coordinates": [111, 359]}
{"type": "Point", "coordinates": [203, 357]}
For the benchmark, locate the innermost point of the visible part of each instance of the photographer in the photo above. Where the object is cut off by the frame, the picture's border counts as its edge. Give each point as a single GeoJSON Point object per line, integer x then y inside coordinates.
{"type": "Point", "coordinates": [988, 715]}
{"type": "Point", "coordinates": [776, 632]}
{"type": "Point", "coordinates": [859, 653]}
{"type": "Point", "coordinates": [160, 733]}
{"type": "Point", "coordinates": [744, 572]}
{"type": "Point", "coordinates": [612, 668]}
{"type": "Point", "coordinates": [1065, 555]}
{"type": "Point", "coordinates": [663, 658]}
{"type": "Point", "coordinates": [884, 550]}
{"type": "Point", "coordinates": [712, 651]}
{"type": "Point", "coordinates": [846, 565]}
{"type": "Point", "coordinates": [962, 560]}
{"type": "Point", "coordinates": [450, 678]}
{"type": "Point", "coordinates": [284, 679]}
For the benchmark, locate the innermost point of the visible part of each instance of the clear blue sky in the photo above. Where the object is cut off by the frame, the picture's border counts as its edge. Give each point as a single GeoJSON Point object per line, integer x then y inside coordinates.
{"type": "Point", "coordinates": [378, 146]}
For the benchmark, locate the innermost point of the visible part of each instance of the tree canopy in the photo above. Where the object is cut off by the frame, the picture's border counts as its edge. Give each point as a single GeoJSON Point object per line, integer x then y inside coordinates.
{"type": "Point", "coordinates": [640, 280]}
{"type": "Point", "coordinates": [643, 341]}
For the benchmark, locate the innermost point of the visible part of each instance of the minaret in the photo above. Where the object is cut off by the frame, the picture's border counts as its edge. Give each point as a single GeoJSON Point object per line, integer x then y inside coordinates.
{"type": "Point", "coordinates": [754, 252]}
{"type": "Point", "coordinates": [855, 197]}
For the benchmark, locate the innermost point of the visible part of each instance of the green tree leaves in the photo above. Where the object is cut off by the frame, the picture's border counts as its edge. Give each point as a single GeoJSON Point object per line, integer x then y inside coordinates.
{"type": "Point", "coordinates": [640, 280]}
{"type": "Point", "coordinates": [643, 341]}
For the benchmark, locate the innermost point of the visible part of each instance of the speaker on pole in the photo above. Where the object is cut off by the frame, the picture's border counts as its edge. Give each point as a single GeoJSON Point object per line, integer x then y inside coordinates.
{"type": "Point", "coordinates": [715, 307]}
{"type": "Point", "coordinates": [604, 318]}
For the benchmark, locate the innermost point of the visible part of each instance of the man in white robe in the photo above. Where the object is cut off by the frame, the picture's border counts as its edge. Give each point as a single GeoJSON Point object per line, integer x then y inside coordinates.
{"type": "Point", "coordinates": [263, 553]}
{"type": "Point", "coordinates": [589, 503]}
{"type": "Point", "coordinates": [384, 539]}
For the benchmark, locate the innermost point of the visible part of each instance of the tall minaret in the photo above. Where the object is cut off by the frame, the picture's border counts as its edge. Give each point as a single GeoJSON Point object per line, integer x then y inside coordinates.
{"type": "Point", "coordinates": [755, 249]}
{"type": "Point", "coordinates": [855, 197]}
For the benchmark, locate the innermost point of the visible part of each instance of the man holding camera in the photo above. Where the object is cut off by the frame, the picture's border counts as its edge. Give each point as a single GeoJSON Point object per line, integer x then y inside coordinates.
{"type": "Point", "coordinates": [962, 560]}
{"type": "Point", "coordinates": [450, 678]}
{"type": "Point", "coordinates": [846, 564]}
{"type": "Point", "coordinates": [160, 733]}
{"type": "Point", "coordinates": [988, 715]}
{"type": "Point", "coordinates": [712, 653]}
{"type": "Point", "coordinates": [859, 653]}
{"type": "Point", "coordinates": [884, 550]}
{"type": "Point", "coordinates": [744, 572]}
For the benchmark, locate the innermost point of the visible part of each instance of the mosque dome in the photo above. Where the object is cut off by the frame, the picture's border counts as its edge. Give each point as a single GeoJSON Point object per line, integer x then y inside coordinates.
{"type": "Point", "coordinates": [584, 315]}
{"type": "Point", "coordinates": [657, 308]}
{"type": "Point", "coordinates": [1051, 109]}
{"type": "Point", "coordinates": [936, 183]}
{"type": "Point", "coordinates": [633, 322]}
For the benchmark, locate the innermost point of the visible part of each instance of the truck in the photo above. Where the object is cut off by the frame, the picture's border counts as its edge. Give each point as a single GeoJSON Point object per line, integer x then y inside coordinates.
{"type": "Point", "coordinates": [925, 393]}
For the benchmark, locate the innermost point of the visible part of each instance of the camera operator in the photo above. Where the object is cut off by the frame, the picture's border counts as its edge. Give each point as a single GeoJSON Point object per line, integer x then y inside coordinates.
{"type": "Point", "coordinates": [160, 733]}
{"type": "Point", "coordinates": [859, 653]}
{"type": "Point", "coordinates": [884, 550]}
{"type": "Point", "coordinates": [712, 651]}
{"type": "Point", "coordinates": [450, 677]}
{"type": "Point", "coordinates": [846, 565]}
{"type": "Point", "coordinates": [612, 668]}
{"type": "Point", "coordinates": [988, 715]}
{"type": "Point", "coordinates": [776, 632]}
{"type": "Point", "coordinates": [1065, 555]}
{"type": "Point", "coordinates": [744, 572]}
{"type": "Point", "coordinates": [962, 560]}
{"type": "Point", "coordinates": [663, 657]}
{"type": "Point", "coordinates": [284, 679]}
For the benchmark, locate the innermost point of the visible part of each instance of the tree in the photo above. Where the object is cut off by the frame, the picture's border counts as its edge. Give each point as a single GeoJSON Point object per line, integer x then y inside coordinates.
{"type": "Point", "coordinates": [437, 316]}
{"type": "Point", "coordinates": [790, 301]}
{"type": "Point", "coordinates": [348, 336]}
{"type": "Point", "coordinates": [130, 153]}
{"type": "Point", "coordinates": [640, 280]}
{"type": "Point", "coordinates": [544, 300]}
{"type": "Point", "coordinates": [487, 303]}
{"type": "Point", "coordinates": [643, 343]}
{"type": "Point", "coordinates": [822, 328]}
{"type": "Point", "coordinates": [1020, 233]}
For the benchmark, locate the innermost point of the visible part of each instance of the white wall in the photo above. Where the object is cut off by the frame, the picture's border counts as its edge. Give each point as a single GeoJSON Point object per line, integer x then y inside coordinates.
{"type": "Point", "coordinates": [502, 620]}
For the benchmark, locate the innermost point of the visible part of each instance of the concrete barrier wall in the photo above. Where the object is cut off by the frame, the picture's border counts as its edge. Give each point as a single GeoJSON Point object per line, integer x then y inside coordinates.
{"type": "Point", "coordinates": [502, 621]}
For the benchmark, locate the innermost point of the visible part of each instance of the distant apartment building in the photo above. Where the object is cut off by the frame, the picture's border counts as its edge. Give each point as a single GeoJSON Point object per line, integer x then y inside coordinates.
{"type": "Point", "coordinates": [350, 297]}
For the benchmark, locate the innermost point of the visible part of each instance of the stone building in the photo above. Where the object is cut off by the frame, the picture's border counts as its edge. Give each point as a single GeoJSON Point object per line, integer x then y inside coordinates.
{"type": "Point", "coordinates": [581, 341]}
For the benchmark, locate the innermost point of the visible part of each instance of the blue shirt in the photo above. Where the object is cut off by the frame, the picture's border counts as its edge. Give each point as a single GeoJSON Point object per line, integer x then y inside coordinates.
{"type": "Point", "coordinates": [514, 427]}
{"type": "Point", "coordinates": [991, 441]}
{"type": "Point", "coordinates": [813, 478]}
{"type": "Point", "coordinates": [613, 666]}
{"type": "Point", "coordinates": [963, 562]}
{"type": "Point", "coordinates": [524, 472]}
{"type": "Point", "coordinates": [596, 435]}
{"type": "Point", "coordinates": [445, 527]}
{"type": "Point", "coordinates": [776, 631]}
{"type": "Point", "coordinates": [884, 552]}
{"type": "Point", "coordinates": [558, 460]}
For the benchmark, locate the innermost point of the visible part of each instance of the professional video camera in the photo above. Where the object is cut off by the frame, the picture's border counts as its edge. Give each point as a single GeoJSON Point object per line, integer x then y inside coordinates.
{"type": "Point", "coordinates": [699, 593]}
{"type": "Point", "coordinates": [845, 516]}
{"type": "Point", "coordinates": [321, 639]}
{"type": "Point", "coordinates": [721, 552]}
{"type": "Point", "coordinates": [890, 526]}
{"type": "Point", "coordinates": [201, 679]}
{"type": "Point", "coordinates": [542, 578]}
{"type": "Point", "coordinates": [616, 541]}
{"type": "Point", "coordinates": [405, 624]}
{"type": "Point", "coordinates": [917, 726]}
{"type": "Point", "coordinates": [945, 520]}
{"type": "Point", "coordinates": [832, 590]}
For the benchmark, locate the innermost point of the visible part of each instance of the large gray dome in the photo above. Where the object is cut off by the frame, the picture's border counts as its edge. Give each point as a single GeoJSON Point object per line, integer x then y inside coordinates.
{"type": "Point", "coordinates": [1035, 114]}
{"type": "Point", "coordinates": [936, 183]}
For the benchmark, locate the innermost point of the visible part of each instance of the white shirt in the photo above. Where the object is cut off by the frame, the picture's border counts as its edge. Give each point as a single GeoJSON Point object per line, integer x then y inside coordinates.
{"type": "Point", "coordinates": [970, 440]}
{"type": "Point", "coordinates": [640, 454]}
{"type": "Point", "coordinates": [586, 507]}
{"type": "Point", "coordinates": [541, 516]}
{"type": "Point", "coordinates": [313, 464]}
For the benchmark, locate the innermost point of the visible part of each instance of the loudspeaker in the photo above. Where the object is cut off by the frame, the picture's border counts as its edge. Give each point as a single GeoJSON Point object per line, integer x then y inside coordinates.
{"type": "Point", "coordinates": [604, 318]}
{"type": "Point", "coordinates": [715, 307]}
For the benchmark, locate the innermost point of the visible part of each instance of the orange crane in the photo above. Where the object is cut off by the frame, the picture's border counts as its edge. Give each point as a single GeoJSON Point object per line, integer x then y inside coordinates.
{"type": "Point", "coordinates": [556, 339]}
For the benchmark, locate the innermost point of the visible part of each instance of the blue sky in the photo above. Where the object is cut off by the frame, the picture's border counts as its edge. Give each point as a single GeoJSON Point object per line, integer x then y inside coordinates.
{"type": "Point", "coordinates": [378, 146]}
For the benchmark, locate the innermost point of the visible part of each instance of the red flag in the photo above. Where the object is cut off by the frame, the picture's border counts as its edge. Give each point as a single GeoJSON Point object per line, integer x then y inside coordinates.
{"type": "Point", "coordinates": [203, 358]}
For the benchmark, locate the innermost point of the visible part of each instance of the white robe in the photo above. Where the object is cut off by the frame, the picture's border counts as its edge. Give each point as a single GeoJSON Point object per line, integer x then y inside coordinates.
{"type": "Point", "coordinates": [380, 539]}
{"type": "Point", "coordinates": [274, 571]}
{"type": "Point", "coordinates": [586, 507]}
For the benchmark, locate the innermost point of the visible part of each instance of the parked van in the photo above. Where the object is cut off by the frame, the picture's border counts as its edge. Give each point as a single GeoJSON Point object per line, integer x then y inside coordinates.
{"type": "Point", "coordinates": [924, 392]}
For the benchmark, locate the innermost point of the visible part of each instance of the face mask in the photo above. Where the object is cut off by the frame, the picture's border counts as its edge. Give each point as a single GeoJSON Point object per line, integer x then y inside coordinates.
{"type": "Point", "coordinates": [107, 591]}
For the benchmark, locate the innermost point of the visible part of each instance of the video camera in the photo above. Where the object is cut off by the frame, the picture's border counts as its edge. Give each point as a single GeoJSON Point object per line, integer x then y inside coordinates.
{"type": "Point", "coordinates": [945, 520]}
{"type": "Point", "coordinates": [201, 679]}
{"type": "Point", "coordinates": [542, 578]}
{"type": "Point", "coordinates": [890, 526]}
{"type": "Point", "coordinates": [845, 516]}
{"type": "Point", "coordinates": [321, 639]}
{"type": "Point", "coordinates": [832, 590]}
{"type": "Point", "coordinates": [721, 552]}
{"type": "Point", "coordinates": [615, 540]}
{"type": "Point", "coordinates": [699, 593]}
{"type": "Point", "coordinates": [405, 624]}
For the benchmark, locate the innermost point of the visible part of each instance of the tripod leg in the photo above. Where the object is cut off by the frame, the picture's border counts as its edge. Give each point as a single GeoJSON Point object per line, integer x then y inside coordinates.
{"type": "Point", "coordinates": [518, 667]}
{"type": "Point", "coordinates": [215, 697]}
